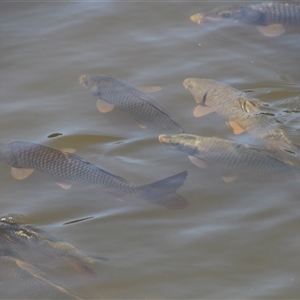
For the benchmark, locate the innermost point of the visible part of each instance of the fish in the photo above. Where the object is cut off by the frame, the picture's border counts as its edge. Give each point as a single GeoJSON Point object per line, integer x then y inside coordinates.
{"type": "Point", "coordinates": [18, 277]}
{"type": "Point", "coordinates": [269, 17]}
{"type": "Point", "coordinates": [67, 168]}
{"type": "Point", "coordinates": [112, 92]}
{"type": "Point", "coordinates": [14, 236]}
{"type": "Point", "coordinates": [229, 156]}
{"type": "Point", "coordinates": [240, 111]}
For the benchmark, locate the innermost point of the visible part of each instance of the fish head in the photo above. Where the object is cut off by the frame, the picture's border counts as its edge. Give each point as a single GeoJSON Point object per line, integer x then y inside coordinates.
{"type": "Point", "coordinates": [97, 84]}
{"type": "Point", "coordinates": [219, 14]}
{"type": "Point", "coordinates": [187, 143]}
{"type": "Point", "coordinates": [6, 153]}
{"type": "Point", "coordinates": [245, 14]}
{"type": "Point", "coordinates": [14, 219]}
{"type": "Point", "coordinates": [201, 89]}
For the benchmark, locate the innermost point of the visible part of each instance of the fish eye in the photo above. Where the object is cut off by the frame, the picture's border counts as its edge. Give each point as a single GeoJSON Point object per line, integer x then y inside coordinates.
{"type": "Point", "coordinates": [225, 14]}
{"type": "Point", "coordinates": [190, 85]}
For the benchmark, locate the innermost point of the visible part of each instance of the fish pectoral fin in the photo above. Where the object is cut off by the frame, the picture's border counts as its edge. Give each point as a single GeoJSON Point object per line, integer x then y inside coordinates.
{"type": "Point", "coordinates": [80, 266]}
{"type": "Point", "coordinates": [149, 89]}
{"type": "Point", "coordinates": [198, 162]}
{"type": "Point", "coordinates": [201, 110]}
{"type": "Point", "coordinates": [237, 129]}
{"type": "Point", "coordinates": [104, 106]}
{"type": "Point", "coordinates": [141, 124]}
{"type": "Point", "coordinates": [68, 150]}
{"type": "Point", "coordinates": [228, 177]}
{"type": "Point", "coordinates": [20, 174]}
{"type": "Point", "coordinates": [64, 186]}
{"type": "Point", "coordinates": [271, 30]}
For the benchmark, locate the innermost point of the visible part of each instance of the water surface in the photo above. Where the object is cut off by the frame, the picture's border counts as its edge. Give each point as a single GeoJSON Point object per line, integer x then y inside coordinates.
{"type": "Point", "coordinates": [232, 241]}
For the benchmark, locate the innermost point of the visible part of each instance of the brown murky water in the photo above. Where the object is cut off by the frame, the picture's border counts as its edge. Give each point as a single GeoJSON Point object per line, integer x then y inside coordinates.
{"type": "Point", "coordinates": [232, 241]}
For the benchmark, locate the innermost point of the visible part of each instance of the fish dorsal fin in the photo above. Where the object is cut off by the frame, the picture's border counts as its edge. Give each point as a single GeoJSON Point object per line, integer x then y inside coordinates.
{"type": "Point", "coordinates": [64, 186]}
{"type": "Point", "coordinates": [271, 30]}
{"type": "Point", "coordinates": [198, 162]}
{"type": "Point", "coordinates": [20, 174]}
{"type": "Point", "coordinates": [228, 177]}
{"type": "Point", "coordinates": [201, 110]}
{"type": "Point", "coordinates": [237, 129]}
{"type": "Point", "coordinates": [104, 106]}
{"type": "Point", "coordinates": [148, 89]}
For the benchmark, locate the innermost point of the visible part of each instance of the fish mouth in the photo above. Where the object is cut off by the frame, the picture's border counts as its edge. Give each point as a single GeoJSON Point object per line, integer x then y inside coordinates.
{"type": "Point", "coordinates": [163, 139]}
{"type": "Point", "coordinates": [201, 18]}
{"type": "Point", "coordinates": [198, 18]}
{"type": "Point", "coordinates": [185, 84]}
{"type": "Point", "coordinates": [82, 79]}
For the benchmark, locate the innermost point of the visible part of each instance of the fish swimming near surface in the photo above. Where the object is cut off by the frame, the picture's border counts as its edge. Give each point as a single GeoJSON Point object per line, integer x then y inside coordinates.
{"type": "Point", "coordinates": [230, 157]}
{"type": "Point", "coordinates": [67, 168]}
{"type": "Point", "coordinates": [19, 278]}
{"type": "Point", "coordinates": [269, 17]}
{"type": "Point", "coordinates": [241, 112]}
{"type": "Point", "coordinates": [14, 236]}
{"type": "Point", "coordinates": [112, 92]}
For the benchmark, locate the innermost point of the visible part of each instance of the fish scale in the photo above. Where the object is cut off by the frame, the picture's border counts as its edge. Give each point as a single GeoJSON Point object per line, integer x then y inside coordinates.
{"type": "Point", "coordinates": [66, 168]}
{"type": "Point", "coordinates": [140, 105]}
{"type": "Point", "coordinates": [275, 12]}
{"type": "Point", "coordinates": [29, 281]}
{"type": "Point", "coordinates": [269, 17]}
{"type": "Point", "coordinates": [19, 234]}
{"type": "Point", "coordinates": [230, 103]}
{"type": "Point", "coordinates": [14, 236]}
{"type": "Point", "coordinates": [227, 154]}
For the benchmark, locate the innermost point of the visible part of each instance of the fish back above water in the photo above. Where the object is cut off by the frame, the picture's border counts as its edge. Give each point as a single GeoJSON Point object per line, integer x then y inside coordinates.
{"type": "Point", "coordinates": [226, 154]}
{"type": "Point", "coordinates": [268, 16]}
{"type": "Point", "coordinates": [67, 168]}
{"type": "Point", "coordinates": [21, 278]}
{"type": "Point", "coordinates": [112, 92]}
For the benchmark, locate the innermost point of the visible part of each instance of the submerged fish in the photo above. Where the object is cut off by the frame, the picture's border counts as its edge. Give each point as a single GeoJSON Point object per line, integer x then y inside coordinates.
{"type": "Point", "coordinates": [112, 92]}
{"type": "Point", "coordinates": [268, 16]}
{"type": "Point", "coordinates": [14, 236]}
{"type": "Point", "coordinates": [227, 155]}
{"type": "Point", "coordinates": [19, 278]}
{"type": "Point", "coordinates": [67, 168]}
{"type": "Point", "coordinates": [241, 112]}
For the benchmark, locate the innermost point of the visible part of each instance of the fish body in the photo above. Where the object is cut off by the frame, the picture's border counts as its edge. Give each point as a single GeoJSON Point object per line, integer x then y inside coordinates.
{"type": "Point", "coordinates": [20, 278]}
{"type": "Point", "coordinates": [264, 15]}
{"type": "Point", "coordinates": [67, 168]}
{"type": "Point", "coordinates": [228, 155]}
{"type": "Point", "coordinates": [14, 236]}
{"type": "Point", "coordinates": [114, 92]}
{"type": "Point", "coordinates": [241, 112]}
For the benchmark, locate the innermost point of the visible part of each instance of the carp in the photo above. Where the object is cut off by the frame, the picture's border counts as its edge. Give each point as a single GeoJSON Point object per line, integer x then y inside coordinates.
{"type": "Point", "coordinates": [241, 112]}
{"type": "Point", "coordinates": [269, 17]}
{"type": "Point", "coordinates": [67, 168]}
{"type": "Point", "coordinates": [112, 92]}
{"type": "Point", "coordinates": [230, 157]}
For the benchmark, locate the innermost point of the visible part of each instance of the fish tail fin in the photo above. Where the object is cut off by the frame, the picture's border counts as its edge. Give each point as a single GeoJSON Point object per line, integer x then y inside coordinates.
{"type": "Point", "coordinates": [163, 192]}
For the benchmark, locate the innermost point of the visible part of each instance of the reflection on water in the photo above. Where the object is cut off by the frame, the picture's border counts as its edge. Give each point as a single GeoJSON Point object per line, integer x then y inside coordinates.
{"type": "Point", "coordinates": [238, 240]}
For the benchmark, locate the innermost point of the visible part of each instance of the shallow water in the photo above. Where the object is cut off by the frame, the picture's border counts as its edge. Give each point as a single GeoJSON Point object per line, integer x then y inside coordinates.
{"type": "Point", "coordinates": [232, 241]}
